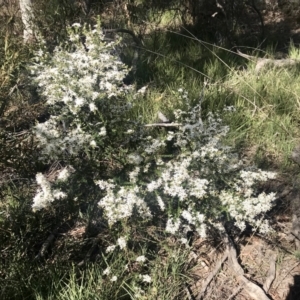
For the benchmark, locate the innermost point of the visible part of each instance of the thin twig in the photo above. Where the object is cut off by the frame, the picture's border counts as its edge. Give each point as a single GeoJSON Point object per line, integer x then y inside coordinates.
{"type": "Point", "coordinates": [286, 275]}
{"type": "Point", "coordinates": [271, 274]}
{"type": "Point", "coordinates": [212, 275]}
{"type": "Point", "coordinates": [189, 293]}
{"type": "Point", "coordinates": [46, 245]}
{"type": "Point", "coordinates": [163, 125]}
{"type": "Point", "coordinates": [89, 254]}
{"type": "Point", "coordinates": [251, 288]}
{"type": "Point", "coordinates": [235, 292]}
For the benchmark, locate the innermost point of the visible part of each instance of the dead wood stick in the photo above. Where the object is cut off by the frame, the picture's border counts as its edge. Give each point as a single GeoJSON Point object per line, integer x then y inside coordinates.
{"type": "Point", "coordinates": [212, 275]}
{"type": "Point", "coordinates": [91, 250]}
{"type": "Point", "coordinates": [262, 63]}
{"type": "Point", "coordinates": [249, 57]}
{"type": "Point", "coordinates": [271, 274]}
{"type": "Point", "coordinates": [163, 125]}
{"type": "Point", "coordinates": [189, 293]}
{"type": "Point", "coordinates": [235, 292]}
{"type": "Point", "coordinates": [251, 288]}
{"type": "Point", "coordinates": [46, 245]}
{"type": "Point", "coordinates": [286, 275]}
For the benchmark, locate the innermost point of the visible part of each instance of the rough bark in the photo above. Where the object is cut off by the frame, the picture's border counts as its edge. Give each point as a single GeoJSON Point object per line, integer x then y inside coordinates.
{"type": "Point", "coordinates": [27, 17]}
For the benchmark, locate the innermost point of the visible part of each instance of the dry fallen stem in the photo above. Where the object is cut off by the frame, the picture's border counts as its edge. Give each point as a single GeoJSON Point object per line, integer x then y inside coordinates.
{"type": "Point", "coordinates": [235, 292]}
{"type": "Point", "coordinates": [46, 245]}
{"type": "Point", "coordinates": [251, 288]}
{"type": "Point", "coordinates": [212, 275]}
{"type": "Point", "coordinates": [163, 125]}
{"type": "Point", "coordinates": [271, 274]}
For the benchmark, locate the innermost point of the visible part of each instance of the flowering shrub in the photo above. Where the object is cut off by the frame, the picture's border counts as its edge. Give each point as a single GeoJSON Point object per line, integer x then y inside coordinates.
{"type": "Point", "coordinates": [199, 186]}
{"type": "Point", "coordinates": [82, 86]}
{"type": "Point", "coordinates": [88, 104]}
{"type": "Point", "coordinates": [186, 175]}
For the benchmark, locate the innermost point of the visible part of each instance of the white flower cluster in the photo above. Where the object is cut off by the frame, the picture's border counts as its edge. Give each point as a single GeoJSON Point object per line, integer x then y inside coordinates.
{"type": "Point", "coordinates": [121, 204]}
{"type": "Point", "coordinates": [177, 181]}
{"type": "Point", "coordinates": [153, 145]}
{"type": "Point", "coordinates": [141, 258]}
{"type": "Point", "coordinates": [197, 185]}
{"type": "Point", "coordinates": [77, 82]}
{"type": "Point", "coordinates": [243, 204]}
{"type": "Point", "coordinates": [55, 142]}
{"type": "Point", "coordinates": [146, 278]}
{"type": "Point", "coordinates": [200, 181]}
{"type": "Point", "coordinates": [45, 195]}
{"type": "Point", "coordinates": [65, 173]}
{"type": "Point", "coordinates": [134, 158]}
{"type": "Point", "coordinates": [121, 242]}
{"type": "Point", "coordinates": [245, 208]}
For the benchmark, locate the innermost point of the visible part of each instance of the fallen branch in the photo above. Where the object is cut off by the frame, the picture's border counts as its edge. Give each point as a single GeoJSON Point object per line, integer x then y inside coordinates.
{"type": "Point", "coordinates": [89, 254]}
{"type": "Point", "coordinates": [251, 288]}
{"type": "Point", "coordinates": [287, 273]}
{"type": "Point", "coordinates": [212, 275]}
{"type": "Point", "coordinates": [235, 292]}
{"type": "Point", "coordinates": [271, 274]}
{"type": "Point", "coordinates": [46, 245]}
{"type": "Point", "coordinates": [262, 63]}
{"type": "Point", "coordinates": [189, 293]}
{"type": "Point", "coordinates": [163, 125]}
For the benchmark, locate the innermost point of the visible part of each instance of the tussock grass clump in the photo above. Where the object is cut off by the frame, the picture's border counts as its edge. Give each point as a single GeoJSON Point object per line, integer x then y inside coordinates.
{"type": "Point", "coordinates": [268, 110]}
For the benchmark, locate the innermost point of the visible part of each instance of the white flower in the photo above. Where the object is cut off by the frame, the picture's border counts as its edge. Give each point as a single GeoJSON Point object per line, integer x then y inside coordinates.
{"type": "Point", "coordinates": [102, 131]}
{"type": "Point", "coordinates": [154, 146]}
{"type": "Point", "coordinates": [110, 248]}
{"type": "Point", "coordinates": [114, 278]}
{"type": "Point", "coordinates": [170, 136]}
{"type": "Point", "coordinates": [120, 205]}
{"type": "Point", "coordinates": [44, 194]}
{"type": "Point", "coordinates": [160, 162]}
{"type": "Point", "coordinates": [105, 185]}
{"type": "Point", "coordinates": [122, 242]}
{"type": "Point", "coordinates": [184, 241]}
{"type": "Point", "coordinates": [153, 185]}
{"type": "Point", "coordinates": [146, 168]}
{"type": "Point", "coordinates": [187, 215]}
{"type": "Point", "coordinates": [229, 108]}
{"type": "Point", "coordinates": [202, 230]}
{"type": "Point", "coordinates": [106, 271]}
{"type": "Point", "coordinates": [134, 158]}
{"type": "Point", "coordinates": [93, 107]}
{"type": "Point", "coordinates": [57, 194]}
{"type": "Point", "coordinates": [93, 144]}
{"type": "Point", "coordinates": [79, 102]}
{"type": "Point", "coordinates": [63, 175]}
{"type": "Point", "coordinates": [160, 203]}
{"type": "Point", "coordinates": [134, 174]}
{"type": "Point", "coordinates": [142, 90]}
{"type": "Point", "coordinates": [138, 293]}
{"type": "Point", "coordinates": [76, 25]}
{"type": "Point", "coordinates": [172, 226]}
{"type": "Point", "coordinates": [141, 258]}
{"type": "Point", "coordinates": [146, 278]}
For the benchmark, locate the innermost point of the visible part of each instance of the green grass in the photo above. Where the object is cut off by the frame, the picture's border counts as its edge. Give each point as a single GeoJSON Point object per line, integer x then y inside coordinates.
{"type": "Point", "coordinates": [91, 282]}
{"type": "Point", "coordinates": [267, 103]}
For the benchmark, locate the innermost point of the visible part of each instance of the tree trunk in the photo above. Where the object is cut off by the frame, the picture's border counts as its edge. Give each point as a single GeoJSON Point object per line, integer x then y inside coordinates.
{"type": "Point", "coordinates": [27, 17]}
